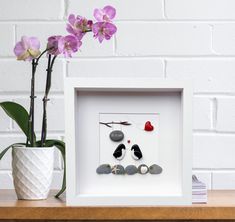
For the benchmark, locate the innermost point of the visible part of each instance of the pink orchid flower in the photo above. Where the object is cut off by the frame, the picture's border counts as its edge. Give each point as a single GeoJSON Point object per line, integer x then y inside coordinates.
{"type": "Point", "coordinates": [68, 45]}
{"type": "Point", "coordinates": [78, 26]}
{"type": "Point", "coordinates": [103, 30]}
{"type": "Point", "coordinates": [106, 14]}
{"type": "Point", "coordinates": [52, 44]}
{"type": "Point", "coordinates": [27, 49]}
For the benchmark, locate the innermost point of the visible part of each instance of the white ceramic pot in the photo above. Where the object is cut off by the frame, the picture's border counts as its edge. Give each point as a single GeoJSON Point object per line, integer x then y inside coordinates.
{"type": "Point", "coordinates": [32, 170]}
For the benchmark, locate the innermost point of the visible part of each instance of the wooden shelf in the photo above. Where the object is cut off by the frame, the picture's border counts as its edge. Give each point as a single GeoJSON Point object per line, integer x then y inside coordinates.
{"type": "Point", "coordinates": [221, 205]}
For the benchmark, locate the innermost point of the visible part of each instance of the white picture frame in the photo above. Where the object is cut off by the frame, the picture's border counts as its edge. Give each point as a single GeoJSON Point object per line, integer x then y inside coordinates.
{"type": "Point", "coordinates": [83, 96]}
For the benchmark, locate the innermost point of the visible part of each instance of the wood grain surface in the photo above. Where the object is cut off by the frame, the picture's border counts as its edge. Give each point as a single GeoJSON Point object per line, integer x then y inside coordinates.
{"type": "Point", "coordinates": [221, 206]}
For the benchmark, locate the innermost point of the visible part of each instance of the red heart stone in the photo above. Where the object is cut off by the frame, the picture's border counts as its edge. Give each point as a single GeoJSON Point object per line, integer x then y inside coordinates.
{"type": "Point", "coordinates": [148, 126]}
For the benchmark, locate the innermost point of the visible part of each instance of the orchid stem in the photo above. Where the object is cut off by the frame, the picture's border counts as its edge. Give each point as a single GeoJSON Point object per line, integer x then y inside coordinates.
{"type": "Point", "coordinates": [47, 49]}
{"type": "Point", "coordinates": [30, 137]}
{"type": "Point", "coordinates": [31, 112]}
{"type": "Point", "coordinates": [45, 99]}
{"type": "Point", "coordinates": [89, 30]}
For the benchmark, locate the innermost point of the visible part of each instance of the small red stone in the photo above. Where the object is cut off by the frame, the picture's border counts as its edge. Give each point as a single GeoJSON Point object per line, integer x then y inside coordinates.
{"type": "Point", "coordinates": [148, 126]}
{"type": "Point", "coordinates": [128, 141]}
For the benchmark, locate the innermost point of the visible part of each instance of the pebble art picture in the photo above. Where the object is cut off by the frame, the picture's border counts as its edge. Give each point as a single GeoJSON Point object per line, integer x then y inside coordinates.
{"type": "Point", "coordinates": [129, 141]}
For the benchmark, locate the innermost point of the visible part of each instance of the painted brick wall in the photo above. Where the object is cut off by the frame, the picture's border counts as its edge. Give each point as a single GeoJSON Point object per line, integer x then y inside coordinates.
{"type": "Point", "coordinates": [176, 39]}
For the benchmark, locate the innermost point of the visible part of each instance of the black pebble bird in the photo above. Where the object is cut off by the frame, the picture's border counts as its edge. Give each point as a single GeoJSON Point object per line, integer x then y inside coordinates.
{"type": "Point", "coordinates": [120, 151]}
{"type": "Point", "coordinates": [136, 152]}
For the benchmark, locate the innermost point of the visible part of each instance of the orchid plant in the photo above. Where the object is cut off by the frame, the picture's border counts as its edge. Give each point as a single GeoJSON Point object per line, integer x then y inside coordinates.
{"type": "Point", "coordinates": [28, 49]}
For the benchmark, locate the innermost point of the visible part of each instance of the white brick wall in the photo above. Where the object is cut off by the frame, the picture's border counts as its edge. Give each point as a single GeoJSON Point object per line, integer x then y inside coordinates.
{"type": "Point", "coordinates": [16, 76]}
{"type": "Point", "coordinates": [31, 10]}
{"type": "Point", "coordinates": [150, 39]}
{"type": "Point", "coordinates": [200, 9]}
{"type": "Point", "coordinates": [177, 39]}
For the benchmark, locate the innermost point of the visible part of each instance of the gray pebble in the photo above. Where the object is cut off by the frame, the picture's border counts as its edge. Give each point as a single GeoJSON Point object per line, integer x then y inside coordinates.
{"type": "Point", "coordinates": [131, 169]}
{"type": "Point", "coordinates": [143, 169]}
{"type": "Point", "coordinates": [155, 169]}
{"type": "Point", "coordinates": [104, 169]}
{"type": "Point", "coordinates": [116, 135]}
{"type": "Point", "coordinates": [118, 170]}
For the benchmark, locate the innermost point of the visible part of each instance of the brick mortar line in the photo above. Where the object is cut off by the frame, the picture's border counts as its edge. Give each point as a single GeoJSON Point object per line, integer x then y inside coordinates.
{"type": "Point", "coordinates": [14, 34]}
{"type": "Point", "coordinates": [59, 133]}
{"type": "Point", "coordinates": [13, 58]}
{"type": "Point", "coordinates": [212, 39]}
{"type": "Point", "coordinates": [19, 134]}
{"type": "Point", "coordinates": [211, 56]}
{"type": "Point", "coordinates": [164, 10]}
{"type": "Point", "coordinates": [180, 21]}
{"type": "Point", "coordinates": [10, 171]}
{"type": "Point", "coordinates": [62, 21]}
{"type": "Point", "coordinates": [55, 94]}
{"type": "Point", "coordinates": [60, 95]}
{"type": "Point", "coordinates": [66, 8]}
{"type": "Point", "coordinates": [128, 57]}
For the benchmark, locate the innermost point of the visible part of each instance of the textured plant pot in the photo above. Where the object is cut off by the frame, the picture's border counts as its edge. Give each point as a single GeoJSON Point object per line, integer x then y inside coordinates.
{"type": "Point", "coordinates": [32, 170]}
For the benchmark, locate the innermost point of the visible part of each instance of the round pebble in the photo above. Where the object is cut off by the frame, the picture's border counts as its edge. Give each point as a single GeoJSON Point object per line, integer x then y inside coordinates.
{"type": "Point", "coordinates": [155, 169]}
{"type": "Point", "coordinates": [104, 169]}
{"type": "Point", "coordinates": [143, 169]}
{"type": "Point", "coordinates": [116, 135]}
{"type": "Point", "coordinates": [131, 169]}
{"type": "Point", "coordinates": [118, 170]}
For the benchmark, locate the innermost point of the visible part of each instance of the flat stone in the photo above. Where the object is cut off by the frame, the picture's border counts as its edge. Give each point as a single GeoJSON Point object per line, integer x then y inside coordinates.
{"type": "Point", "coordinates": [155, 169]}
{"type": "Point", "coordinates": [136, 152]}
{"type": "Point", "coordinates": [104, 169]}
{"type": "Point", "coordinates": [131, 169]}
{"type": "Point", "coordinates": [143, 169]}
{"type": "Point", "coordinates": [118, 170]}
{"type": "Point", "coordinates": [116, 135]}
{"type": "Point", "coordinates": [119, 152]}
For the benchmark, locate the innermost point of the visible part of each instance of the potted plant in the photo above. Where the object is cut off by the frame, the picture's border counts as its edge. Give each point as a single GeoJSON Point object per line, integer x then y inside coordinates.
{"type": "Point", "coordinates": [32, 160]}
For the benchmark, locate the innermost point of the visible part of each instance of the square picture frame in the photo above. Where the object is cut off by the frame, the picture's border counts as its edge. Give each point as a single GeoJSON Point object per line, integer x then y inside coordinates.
{"type": "Point", "coordinates": [90, 101]}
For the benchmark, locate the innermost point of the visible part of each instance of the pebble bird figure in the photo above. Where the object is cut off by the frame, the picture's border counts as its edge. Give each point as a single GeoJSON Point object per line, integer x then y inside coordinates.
{"type": "Point", "coordinates": [136, 152]}
{"type": "Point", "coordinates": [120, 151]}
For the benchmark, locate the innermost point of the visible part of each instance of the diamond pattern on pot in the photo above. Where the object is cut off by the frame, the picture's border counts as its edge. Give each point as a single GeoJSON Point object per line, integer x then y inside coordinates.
{"type": "Point", "coordinates": [32, 171]}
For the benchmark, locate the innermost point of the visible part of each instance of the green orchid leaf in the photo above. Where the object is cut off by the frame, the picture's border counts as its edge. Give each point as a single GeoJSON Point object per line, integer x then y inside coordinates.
{"type": "Point", "coordinates": [19, 114]}
{"type": "Point", "coordinates": [6, 149]}
{"type": "Point", "coordinates": [60, 145]}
